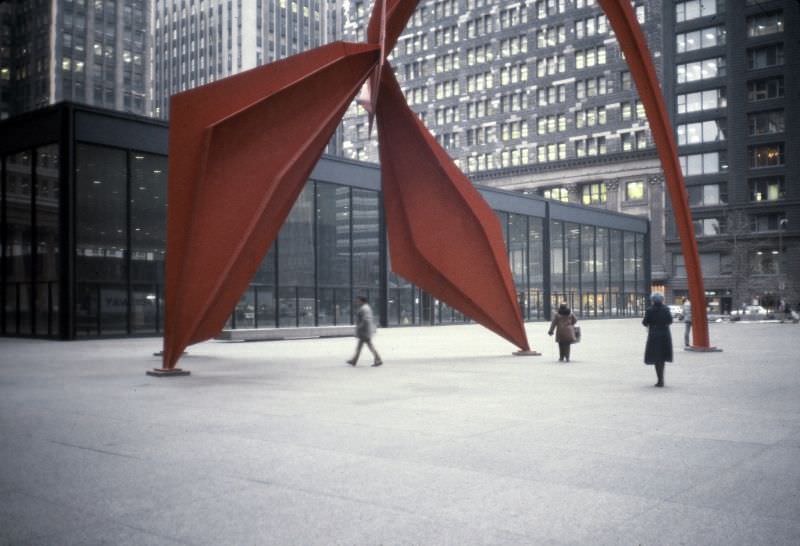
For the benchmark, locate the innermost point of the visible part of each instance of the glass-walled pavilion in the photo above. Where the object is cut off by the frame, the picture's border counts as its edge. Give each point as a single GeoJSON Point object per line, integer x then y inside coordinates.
{"type": "Point", "coordinates": [83, 200]}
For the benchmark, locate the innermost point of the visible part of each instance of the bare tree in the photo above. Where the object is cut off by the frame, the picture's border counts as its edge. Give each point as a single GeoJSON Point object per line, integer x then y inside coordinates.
{"type": "Point", "coordinates": [738, 245]}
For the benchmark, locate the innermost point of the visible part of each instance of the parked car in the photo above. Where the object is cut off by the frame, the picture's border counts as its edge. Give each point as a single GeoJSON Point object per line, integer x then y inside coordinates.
{"type": "Point", "coordinates": [751, 312]}
{"type": "Point", "coordinates": [676, 311]}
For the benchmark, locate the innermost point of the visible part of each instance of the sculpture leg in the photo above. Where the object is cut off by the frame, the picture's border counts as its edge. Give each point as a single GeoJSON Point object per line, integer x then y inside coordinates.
{"type": "Point", "coordinates": [241, 151]}
{"type": "Point", "coordinates": [633, 43]}
{"type": "Point", "coordinates": [442, 235]}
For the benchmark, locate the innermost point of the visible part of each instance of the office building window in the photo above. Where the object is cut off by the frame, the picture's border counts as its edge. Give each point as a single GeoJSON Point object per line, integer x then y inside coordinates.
{"type": "Point", "coordinates": [710, 264]}
{"type": "Point", "coordinates": [625, 80]}
{"type": "Point", "coordinates": [708, 227]}
{"type": "Point", "coordinates": [634, 190]}
{"type": "Point", "coordinates": [557, 194]}
{"type": "Point", "coordinates": [765, 123]}
{"type": "Point", "coordinates": [767, 222]}
{"type": "Point", "coordinates": [694, 9]}
{"type": "Point", "coordinates": [764, 57]}
{"type": "Point", "coordinates": [593, 194]}
{"type": "Point", "coordinates": [700, 70]}
{"type": "Point", "coordinates": [590, 117]}
{"type": "Point", "coordinates": [550, 36]}
{"type": "Point", "coordinates": [767, 189]}
{"type": "Point", "coordinates": [765, 23]}
{"type": "Point", "coordinates": [764, 261]}
{"type": "Point", "coordinates": [706, 195]}
{"type": "Point", "coordinates": [701, 132]}
{"type": "Point", "coordinates": [545, 8]}
{"type": "Point", "coordinates": [553, 94]}
{"type": "Point", "coordinates": [591, 26]}
{"type": "Point", "coordinates": [590, 87]}
{"type": "Point", "coordinates": [707, 163]}
{"type": "Point", "coordinates": [765, 89]}
{"type": "Point", "coordinates": [591, 146]}
{"type": "Point", "coordinates": [700, 39]}
{"type": "Point", "coordinates": [710, 99]}
{"type": "Point", "coordinates": [766, 155]}
{"type": "Point", "coordinates": [590, 57]}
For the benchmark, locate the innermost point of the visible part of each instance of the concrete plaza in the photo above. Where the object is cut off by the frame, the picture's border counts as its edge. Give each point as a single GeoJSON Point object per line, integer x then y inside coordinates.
{"type": "Point", "coordinates": [452, 441]}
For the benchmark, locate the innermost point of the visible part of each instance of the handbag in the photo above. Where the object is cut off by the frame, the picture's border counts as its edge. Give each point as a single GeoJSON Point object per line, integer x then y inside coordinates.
{"type": "Point", "coordinates": [577, 333]}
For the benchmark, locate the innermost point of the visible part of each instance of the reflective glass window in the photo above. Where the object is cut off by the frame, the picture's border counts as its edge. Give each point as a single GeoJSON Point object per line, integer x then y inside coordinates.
{"type": "Point", "coordinates": [101, 297]}
{"type": "Point", "coordinates": [47, 240]}
{"type": "Point", "coordinates": [518, 257]}
{"type": "Point", "coordinates": [333, 253]}
{"type": "Point", "coordinates": [366, 246]}
{"type": "Point", "coordinates": [295, 266]}
{"type": "Point", "coordinates": [557, 267]}
{"type": "Point", "coordinates": [148, 207]}
{"type": "Point", "coordinates": [19, 224]}
{"type": "Point", "coordinates": [535, 266]}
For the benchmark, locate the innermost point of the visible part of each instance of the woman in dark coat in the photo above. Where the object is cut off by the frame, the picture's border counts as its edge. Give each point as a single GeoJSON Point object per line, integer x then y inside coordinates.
{"type": "Point", "coordinates": [658, 350]}
{"type": "Point", "coordinates": [564, 325]}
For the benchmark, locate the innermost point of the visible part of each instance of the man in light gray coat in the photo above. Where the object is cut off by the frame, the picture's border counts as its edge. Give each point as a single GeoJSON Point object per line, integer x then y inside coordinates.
{"type": "Point", "coordinates": [687, 321]}
{"type": "Point", "coordinates": [365, 329]}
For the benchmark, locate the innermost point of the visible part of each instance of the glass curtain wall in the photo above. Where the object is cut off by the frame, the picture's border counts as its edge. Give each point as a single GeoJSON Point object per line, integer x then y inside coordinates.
{"type": "Point", "coordinates": [333, 254]}
{"type": "Point", "coordinates": [101, 245]}
{"type": "Point", "coordinates": [518, 249]}
{"type": "Point", "coordinates": [629, 273]}
{"type": "Point", "coordinates": [617, 284]}
{"type": "Point", "coordinates": [572, 259]}
{"type": "Point", "coordinates": [366, 247]}
{"type": "Point", "coordinates": [327, 253]}
{"type": "Point", "coordinates": [47, 241]}
{"type": "Point", "coordinates": [297, 302]}
{"type": "Point", "coordinates": [19, 240]}
{"type": "Point", "coordinates": [597, 271]}
{"type": "Point", "coordinates": [557, 264]}
{"type": "Point", "coordinates": [602, 272]}
{"type": "Point", "coordinates": [120, 241]}
{"type": "Point", "coordinates": [587, 267]}
{"type": "Point", "coordinates": [30, 212]}
{"type": "Point", "coordinates": [148, 236]}
{"type": "Point", "coordinates": [641, 296]}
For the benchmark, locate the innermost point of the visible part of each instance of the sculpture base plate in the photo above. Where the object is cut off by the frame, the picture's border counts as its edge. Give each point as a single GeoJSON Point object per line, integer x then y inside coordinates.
{"type": "Point", "coordinates": [694, 349]}
{"type": "Point", "coordinates": [526, 353]}
{"type": "Point", "coordinates": [161, 353]}
{"type": "Point", "coordinates": [167, 372]}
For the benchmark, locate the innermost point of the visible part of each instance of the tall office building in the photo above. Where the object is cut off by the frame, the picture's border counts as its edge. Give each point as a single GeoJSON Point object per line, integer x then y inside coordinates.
{"type": "Point", "coordinates": [734, 85]}
{"type": "Point", "coordinates": [92, 52]}
{"type": "Point", "coordinates": [200, 41]}
{"type": "Point", "coordinates": [533, 97]}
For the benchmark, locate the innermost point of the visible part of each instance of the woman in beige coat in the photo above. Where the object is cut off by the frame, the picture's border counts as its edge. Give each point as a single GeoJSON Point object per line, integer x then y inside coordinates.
{"type": "Point", "coordinates": [564, 325]}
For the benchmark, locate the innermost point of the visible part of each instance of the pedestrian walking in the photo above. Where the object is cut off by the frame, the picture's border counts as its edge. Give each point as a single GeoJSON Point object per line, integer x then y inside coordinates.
{"type": "Point", "coordinates": [658, 350]}
{"type": "Point", "coordinates": [687, 321]}
{"type": "Point", "coordinates": [365, 329]}
{"type": "Point", "coordinates": [563, 324]}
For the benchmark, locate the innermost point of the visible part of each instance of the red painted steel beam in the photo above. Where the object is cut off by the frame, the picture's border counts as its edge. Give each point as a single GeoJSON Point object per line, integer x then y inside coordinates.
{"type": "Point", "coordinates": [241, 150]}
{"type": "Point", "coordinates": [397, 14]}
{"type": "Point", "coordinates": [634, 45]}
{"type": "Point", "coordinates": [443, 235]}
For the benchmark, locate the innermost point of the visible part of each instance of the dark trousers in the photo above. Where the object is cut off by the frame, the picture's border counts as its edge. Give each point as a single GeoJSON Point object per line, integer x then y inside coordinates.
{"type": "Point", "coordinates": [660, 372]}
{"type": "Point", "coordinates": [368, 342]}
{"type": "Point", "coordinates": [563, 350]}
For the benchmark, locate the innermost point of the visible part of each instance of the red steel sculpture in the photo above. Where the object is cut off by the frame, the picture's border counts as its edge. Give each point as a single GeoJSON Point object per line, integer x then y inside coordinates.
{"type": "Point", "coordinates": [241, 149]}
{"type": "Point", "coordinates": [632, 41]}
